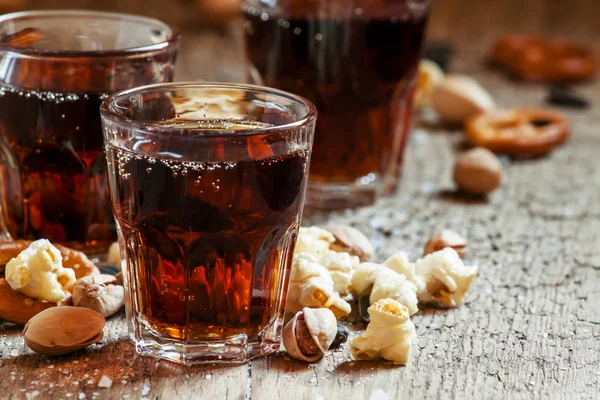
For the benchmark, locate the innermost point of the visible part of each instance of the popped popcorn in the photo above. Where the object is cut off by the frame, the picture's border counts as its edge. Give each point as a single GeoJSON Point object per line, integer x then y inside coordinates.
{"type": "Point", "coordinates": [389, 335]}
{"type": "Point", "coordinates": [384, 283]}
{"type": "Point", "coordinates": [443, 279]}
{"type": "Point", "coordinates": [311, 286]}
{"type": "Point", "coordinates": [37, 272]}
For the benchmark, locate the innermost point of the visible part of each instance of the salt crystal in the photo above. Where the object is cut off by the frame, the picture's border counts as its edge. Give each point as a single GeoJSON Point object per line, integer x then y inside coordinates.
{"type": "Point", "coordinates": [81, 396]}
{"type": "Point", "coordinates": [209, 376]}
{"type": "Point", "coordinates": [313, 380]}
{"type": "Point", "coordinates": [379, 394]}
{"type": "Point", "coordinates": [90, 382]}
{"type": "Point", "coordinates": [124, 382]}
{"type": "Point", "coordinates": [14, 352]}
{"type": "Point", "coordinates": [105, 382]}
{"type": "Point", "coordinates": [32, 395]}
{"type": "Point", "coordinates": [145, 388]}
{"type": "Point", "coordinates": [69, 395]}
{"type": "Point", "coordinates": [330, 369]}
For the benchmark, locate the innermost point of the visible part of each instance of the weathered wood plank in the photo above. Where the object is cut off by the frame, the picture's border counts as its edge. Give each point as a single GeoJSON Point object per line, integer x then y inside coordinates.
{"type": "Point", "coordinates": [529, 327]}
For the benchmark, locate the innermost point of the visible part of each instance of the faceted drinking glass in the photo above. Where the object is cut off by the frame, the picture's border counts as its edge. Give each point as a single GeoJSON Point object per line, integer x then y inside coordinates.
{"type": "Point", "coordinates": [56, 67]}
{"type": "Point", "coordinates": [356, 60]}
{"type": "Point", "coordinates": [207, 184]}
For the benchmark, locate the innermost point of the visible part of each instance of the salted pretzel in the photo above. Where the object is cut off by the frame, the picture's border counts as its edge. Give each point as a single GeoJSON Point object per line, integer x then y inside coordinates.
{"type": "Point", "coordinates": [73, 259]}
{"type": "Point", "coordinates": [518, 132]}
{"type": "Point", "coordinates": [24, 38]}
{"type": "Point", "coordinates": [18, 308]}
{"type": "Point", "coordinates": [550, 60]}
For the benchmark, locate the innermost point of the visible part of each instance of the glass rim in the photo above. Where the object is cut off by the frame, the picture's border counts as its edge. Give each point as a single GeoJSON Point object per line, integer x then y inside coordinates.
{"type": "Point", "coordinates": [154, 128]}
{"type": "Point", "coordinates": [175, 35]}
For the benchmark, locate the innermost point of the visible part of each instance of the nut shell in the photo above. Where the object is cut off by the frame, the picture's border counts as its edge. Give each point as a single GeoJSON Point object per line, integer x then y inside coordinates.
{"type": "Point", "coordinates": [478, 171]}
{"type": "Point", "coordinates": [62, 330]}
{"type": "Point", "coordinates": [101, 293]}
{"type": "Point", "coordinates": [322, 327]}
{"type": "Point", "coordinates": [446, 238]}
{"type": "Point", "coordinates": [459, 97]}
{"type": "Point", "coordinates": [351, 240]}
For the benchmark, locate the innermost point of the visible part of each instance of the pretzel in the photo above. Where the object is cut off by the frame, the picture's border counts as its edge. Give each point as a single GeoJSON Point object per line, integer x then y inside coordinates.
{"type": "Point", "coordinates": [77, 261]}
{"type": "Point", "coordinates": [518, 132]}
{"type": "Point", "coordinates": [73, 259]}
{"type": "Point", "coordinates": [24, 38]}
{"type": "Point", "coordinates": [535, 58]}
{"type": "Point", "coordinates": [17, 308]}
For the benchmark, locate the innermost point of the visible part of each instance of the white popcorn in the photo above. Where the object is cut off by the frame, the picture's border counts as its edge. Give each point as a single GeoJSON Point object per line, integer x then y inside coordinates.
{"type": "Point", "coordinates": [384, 283]}
{"type": "Point", "coordinates": [314, 240]}
{"type": "Point", "coordinates": [311, 286]}
{"type": "Point", "coordinates": [443, 279]}
{"type": "Point", "coordinates": [341, 268]}
{"type": "Point", "coordinates": [389, 335]}
{"type": "Point", "coordinates": [400, 263]}
{"type": "Point", "coordinates": [37, 272]}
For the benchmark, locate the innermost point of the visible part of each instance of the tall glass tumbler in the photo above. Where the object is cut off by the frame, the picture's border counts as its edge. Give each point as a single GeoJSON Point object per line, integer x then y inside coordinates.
{"type": "Point", "coordinates": [356, 60]}
{"type": "Point", "coordinates": [207, 183]}
{"type": "Point", "coordinates": [56, 67]}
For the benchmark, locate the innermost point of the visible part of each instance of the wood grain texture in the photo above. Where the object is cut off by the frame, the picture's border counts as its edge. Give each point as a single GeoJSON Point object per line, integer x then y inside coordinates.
{"type": "Point", "coordinates": [530, 326]}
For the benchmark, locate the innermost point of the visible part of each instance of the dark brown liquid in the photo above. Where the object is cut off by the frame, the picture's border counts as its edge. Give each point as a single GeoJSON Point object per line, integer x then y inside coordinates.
{"type": "Point", "coordinates": [52, 168]}
{"type": "Point", "coordinates": [209, 243]}
{"type": "Point", "coordinates": [356, 66]}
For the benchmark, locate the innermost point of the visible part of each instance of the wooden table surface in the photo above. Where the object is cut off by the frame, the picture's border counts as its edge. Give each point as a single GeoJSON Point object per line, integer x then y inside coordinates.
{"type": "Point", "coordinates": [530, 326]}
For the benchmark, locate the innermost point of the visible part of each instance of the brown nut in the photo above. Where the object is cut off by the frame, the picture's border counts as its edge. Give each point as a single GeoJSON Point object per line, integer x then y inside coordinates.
{"type": "Point", "coordinates": [351, 240]}
{"type": "Point", "coordinates": [101, 293]}
{"type": "Point", "coordinates": [62, 330]}
{"type": "Point", "coordinates": [446, 238]}
{"type": "Point", "coordinates": [478, 171]}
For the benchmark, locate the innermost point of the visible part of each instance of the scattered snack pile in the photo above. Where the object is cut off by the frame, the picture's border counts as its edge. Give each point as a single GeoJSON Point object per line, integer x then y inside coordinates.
{"type": "Point", "coordinates": [57, 293]}
{"type": "Point", "coordinates": [519, 132]}
{"type": "Point", "coordinates": [62, 298]}
{"type": "Point", "coordinates": [331, 278]}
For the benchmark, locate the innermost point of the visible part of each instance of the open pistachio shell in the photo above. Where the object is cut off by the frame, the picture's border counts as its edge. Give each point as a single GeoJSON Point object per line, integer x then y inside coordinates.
{"type": "Point", "coordinates": [351, 240]}
{"type": "Point", "coordinates": [321, 325]}
{"type": "Point", "coordinates": [62, 330]}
